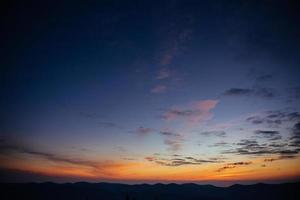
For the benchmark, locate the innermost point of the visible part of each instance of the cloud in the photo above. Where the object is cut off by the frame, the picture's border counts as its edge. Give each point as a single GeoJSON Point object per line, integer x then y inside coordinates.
{"type": "Point", "coordinates": [48, 156]}
{"type": "Point", "coordinates": [129, 159]}
{"type": "Point", "coordinates": [109, 125]}
{"type": "Point", "coordinates": [219, 144]}
{"type": "Point", "coordinates": [159, 89]}
{"type": "Point", "coordinates": [238, 92]}
{"type": "Point", "coordinates": [295, 141]}
{"type": "Point", "coordinates": [206, 105]}
{"type": "Point", "coordinates": [259, 89]}
{"type": "Point", "coordinates": [296, 129]}
{"type": "Point", "coordinates": [274, 118]}
{"type": "Point", "coordinates": [121, 149]}
{"type": "Point", "coordinates": [172, 139]}
{"type": "Point", "coordinates": [214, 133]}
{"type": "Point", "coordinates": [293, 116]}
{"type": "Point", "coordinates": [150, 158]}
{"type": "Point", "coordinates": [271, 135]}
{"type": "Point", "coordinates": [173, 143]}
{"type": "Point", "coordinates": [283, 157]}
{"type": "Point", "coordinates": [264, 77]}
{"type": "Point", "coordinates": [175, 46]}
{"type": "Point", "coordinates": [174, 113]}
{"type": "Point", "coordinates": [252, 147]}
{"type": "Point", "coordinates": [269, 159]}
{"type": "Point", "coordinates": [276, 145]}
{"type": "Point", "coordinates": [258, 75]}
{"type": "Point", "coordinates": [293, 93]}
{"type": "Point", "coordinates": [172, 46]}
{"type": "Point", "coordinates": [181, 161]}
{"type": "Point", "coordinates": [295, 138]}
{"type": "Point", "coordinates": [143, 130]}
{"type": "Point", "coordinates": [279, 137]}
{"type": "Point", "coordinates": [195, 113]}
{"type": "Point", "coordinates": [73, 165]}
{"type": "Point", "coordinates": [264, 92]}
{"type": "Point", "coordinates": [168, 133]}
{"type": "Point", "coordinates": [232, 165]}
{"type": "Point", "coordinates": [89, 115]}
{"type": "Point", "coordinates": [163, 73]}
{"type": "Point", "coordinates": [224, 168]}
{"type": "Point", "coordinates": [240, 163]}
{"type": "Point", "coordinates": [261, 92]}
{"type": "Point", "coordinates": [168, 56]}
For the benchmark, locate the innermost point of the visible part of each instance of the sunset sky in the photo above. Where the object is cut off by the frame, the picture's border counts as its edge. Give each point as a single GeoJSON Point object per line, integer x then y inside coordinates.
{"type": "Point", "coordinates": [150, 91]}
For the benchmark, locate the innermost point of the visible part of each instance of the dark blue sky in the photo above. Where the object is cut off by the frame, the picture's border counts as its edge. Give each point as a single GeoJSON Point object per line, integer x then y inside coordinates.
{"type": "Point", "coordinates": [132, 83]}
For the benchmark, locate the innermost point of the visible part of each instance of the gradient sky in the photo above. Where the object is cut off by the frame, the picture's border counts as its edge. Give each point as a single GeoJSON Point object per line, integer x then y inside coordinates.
{"type": "Point", "coordinates": [150, 91]}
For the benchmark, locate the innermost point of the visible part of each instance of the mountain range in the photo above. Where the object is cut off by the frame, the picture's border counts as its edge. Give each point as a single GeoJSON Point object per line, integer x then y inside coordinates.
{"type": "Point", "coordinates": [115, 191]}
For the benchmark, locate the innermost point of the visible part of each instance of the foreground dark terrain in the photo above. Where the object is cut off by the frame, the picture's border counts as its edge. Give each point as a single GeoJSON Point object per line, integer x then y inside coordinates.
{"type": "Point", "coordinates": [106, 191]}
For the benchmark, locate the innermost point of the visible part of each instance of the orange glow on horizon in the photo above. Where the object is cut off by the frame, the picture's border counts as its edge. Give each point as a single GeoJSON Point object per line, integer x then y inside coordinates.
{"type": "Point", "coordinates": [149, 171]}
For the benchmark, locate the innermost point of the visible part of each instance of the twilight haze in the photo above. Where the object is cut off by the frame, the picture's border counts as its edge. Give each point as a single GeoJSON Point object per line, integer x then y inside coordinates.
{"type": "Point", "coordinates": [150, 91]}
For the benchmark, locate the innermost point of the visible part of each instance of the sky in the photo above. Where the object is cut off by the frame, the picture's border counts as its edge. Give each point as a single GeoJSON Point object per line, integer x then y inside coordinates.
{"type": "Point", "coordinates": [150, 91]}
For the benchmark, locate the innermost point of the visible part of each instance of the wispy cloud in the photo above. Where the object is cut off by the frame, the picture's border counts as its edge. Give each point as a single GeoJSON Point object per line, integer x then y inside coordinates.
{"type": "Point", "coordinates": [274, 118]}
{"type": "Point", "coordinates": [159, 88]}
{"type": "Point", "coordinates": [169, 133]}
{"type": "Point", "coordinates": [175, 46]}
{"type": "Point", "coordinates": [48, 156]}
{"type": "Point", "coordinates": [295, 138]}
{"type": "Point", "coordinates": [219, 144]}
{"type": "Point", "coordinates": [172, 139]}
{"type": "Point", "coordinates": [181, 160]}
{"type": "Point", "coordinates": [271, 135]}
{"type": "Point", "coordinates": [74, 165]}
{"type": "Point", "coordinates": [238, 91]}
{"type": "Point", "coordinates": [259, 76]}
{"type": "Point", "coordinates": [121, 149]}
{"type": "Point", "coordinates": [142, 131]}
{"type": "Point", "coordinates": [264, 77]}
{"type": "Point", "coordinates": [233, 165]}
{"type": "Point", "coordinates": [173, 143]}
{"type": "Point", "coordinates": [293, 93]}
{"type": "Point", "coordinates": [89, 115]}
{"type": "Point", "coordinates": [109, 125]}
{"type": "Point", "coordinates": [262, 92]}
{"type": "Point", "coordinates": [254, 148]}
{"type": "Point", "coordinates": [296, 129]}
{"type": "Point", "coordinates": [194, 113]}
{"type": "Point", "coordinates": [259, 89]}
{"type": "Point", "coordinates": [283, 157]}
{"type": "Point", "coordinates": [214, 133]}
{"type": "Point", "coordinates": [163, 73]}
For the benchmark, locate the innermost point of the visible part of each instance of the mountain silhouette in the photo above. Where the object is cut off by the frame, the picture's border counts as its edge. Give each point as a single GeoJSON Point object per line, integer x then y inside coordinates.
{"type": "Point", "coordinates": [114, 191]}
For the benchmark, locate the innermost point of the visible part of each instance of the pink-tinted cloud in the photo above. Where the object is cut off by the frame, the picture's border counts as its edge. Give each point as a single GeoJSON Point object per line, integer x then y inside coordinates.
{"type": "Point", "coordinates": [197, 112]}
{"type": "Point", "coordinates": [203, 108]}
{"type": "Point", "coordinates": [159, 89]}
{"type": "Point", "coordinates": [175, 113]}
{"type": "Point", "coordinates": [206, 105]}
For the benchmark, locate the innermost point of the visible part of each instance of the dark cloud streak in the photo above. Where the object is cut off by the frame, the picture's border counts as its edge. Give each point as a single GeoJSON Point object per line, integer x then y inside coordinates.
{"type": "Point", "coordinates": [181, 161]}
{"type": "Point", "coordinates": [262, 92]}
{"type": "Point", "coordinates": [7, 149]}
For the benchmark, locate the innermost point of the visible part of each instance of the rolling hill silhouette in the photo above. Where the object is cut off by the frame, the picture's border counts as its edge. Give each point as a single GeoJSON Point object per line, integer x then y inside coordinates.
{"type": "Point", "coordinates": [113, 191]}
